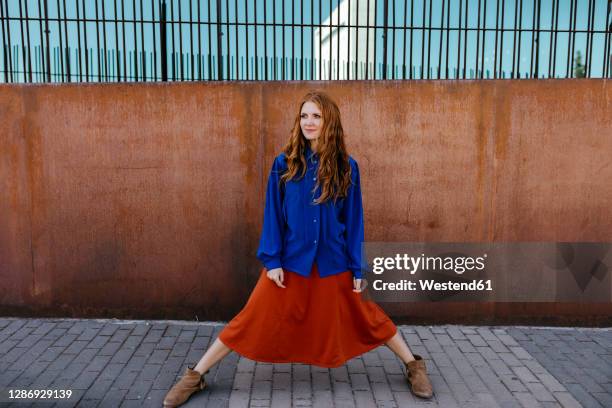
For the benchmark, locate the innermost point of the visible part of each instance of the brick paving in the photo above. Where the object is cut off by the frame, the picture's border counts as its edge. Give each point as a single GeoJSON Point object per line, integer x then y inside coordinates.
{"type": "Point", "coordinates": [114, 363]}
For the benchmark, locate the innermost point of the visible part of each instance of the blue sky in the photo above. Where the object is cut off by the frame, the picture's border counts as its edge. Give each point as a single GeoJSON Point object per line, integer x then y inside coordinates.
{"type": "Point", "coordinates": [274, 13]}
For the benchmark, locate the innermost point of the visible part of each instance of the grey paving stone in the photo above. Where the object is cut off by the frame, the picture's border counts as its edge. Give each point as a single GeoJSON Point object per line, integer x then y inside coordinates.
{"type": "Point", "coordinates": [281, 398]}
{"type": "Point", "coordinates": [239, 398]}
{"type": "Point", "coordinates": [114, 363]}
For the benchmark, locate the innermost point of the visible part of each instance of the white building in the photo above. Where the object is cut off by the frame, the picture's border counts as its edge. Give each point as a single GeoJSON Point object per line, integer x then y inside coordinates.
{"type": "Point", "coordinates": [351, 51]}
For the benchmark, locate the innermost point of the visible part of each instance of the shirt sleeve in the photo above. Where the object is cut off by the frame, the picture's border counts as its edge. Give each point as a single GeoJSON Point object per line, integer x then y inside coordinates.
{"type": "Point", "coordinates": [271, 242]}
{"type": "Point", "coordinates": [353, 216]}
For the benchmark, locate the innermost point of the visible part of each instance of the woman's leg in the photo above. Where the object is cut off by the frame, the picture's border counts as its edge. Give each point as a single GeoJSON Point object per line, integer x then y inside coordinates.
{"type": "Point", "coordinates": [399, 347]}
{"type": "Point", "coordinates": [213, 355]}
{"type": "Point", "coordinates": [192, 381]}
{"type": "Point", "coordinates": [416, 372]}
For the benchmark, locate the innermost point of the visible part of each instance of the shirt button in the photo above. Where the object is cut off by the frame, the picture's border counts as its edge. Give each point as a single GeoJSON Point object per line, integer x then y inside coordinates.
{"type": "Point", "coordinates": [315, 220]}
{"type": "Point", "coordinates": [315, 241]}
{"type": "Point", "coordinates": [314, 179]}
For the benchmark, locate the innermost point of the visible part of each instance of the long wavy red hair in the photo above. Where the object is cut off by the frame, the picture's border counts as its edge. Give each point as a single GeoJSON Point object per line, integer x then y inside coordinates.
{"type": "Point", "coordinates": [334, 175]}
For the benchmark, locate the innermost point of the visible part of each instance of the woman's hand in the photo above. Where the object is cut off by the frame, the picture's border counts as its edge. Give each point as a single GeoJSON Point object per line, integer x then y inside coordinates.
{"type": "Point", "coordinates": [276, 275]}
{"type": "Point", "coordinates": [357, 285]}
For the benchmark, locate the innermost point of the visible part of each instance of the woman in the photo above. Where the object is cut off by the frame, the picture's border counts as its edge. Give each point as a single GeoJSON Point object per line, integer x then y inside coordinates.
{"type": "Point", "coordinates": [306, 306]}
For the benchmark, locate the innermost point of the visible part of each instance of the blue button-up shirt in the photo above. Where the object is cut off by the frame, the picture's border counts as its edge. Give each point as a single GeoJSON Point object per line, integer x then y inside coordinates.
{"type": "Point", "coordinates": [297, 231]}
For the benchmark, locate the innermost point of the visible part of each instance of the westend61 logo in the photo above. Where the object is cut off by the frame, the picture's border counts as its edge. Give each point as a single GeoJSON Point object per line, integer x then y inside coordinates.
{"type": "Point", "coordinates": [428, 263]}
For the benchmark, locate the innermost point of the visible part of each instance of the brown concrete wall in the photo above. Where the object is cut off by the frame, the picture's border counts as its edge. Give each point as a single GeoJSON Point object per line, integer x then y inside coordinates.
{"type": "Point", "coordinates": [146, 200]}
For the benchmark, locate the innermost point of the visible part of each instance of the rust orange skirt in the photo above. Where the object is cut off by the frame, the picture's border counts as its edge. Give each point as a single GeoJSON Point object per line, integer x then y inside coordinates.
{"type": "Point", "coordinates": [318, 321]}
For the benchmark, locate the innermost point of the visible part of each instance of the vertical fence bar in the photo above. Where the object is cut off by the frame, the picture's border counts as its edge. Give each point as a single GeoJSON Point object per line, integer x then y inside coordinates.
{"type": "Point", "coordinates": [385, 34]}
{"type": "Point", "coordinates": [429, 40]}
{"type": "Point", "coordinates": [495, 52]}
{"type": "Point", "coordinates": [357, 24]}
{"type": "Point", "coordinates": [477, 39]}
{"type": "Point", "coordinates": [68, 73]}
{"type": "Point", "coordinates": [550, 43]}
{"type": "Point", "coordinates": [514, 56]}
{"type": "Point", "coordinates": [274, 58]}
{"type": "Point", "coordinates": [85, 42]}
{"type": "Point", "coordinates": [367, 59]}
{"type": "Point", "coordinates": [142, 44]}
{"type": "Point", "coordinates": [173, 52]}
{"type": "Point", "coordinates": [590, 35]}
{"type": "Point", "coordinates": [106, 59]}
{"type": "Point", "coordinates": [459, 38]}
{"type": "Point", "coordinates": [48, 51]}
{"type": "Point", "coordinates": [61, 42]}
{"type": "Point", "coordinates": [219, 42]}
{"type": "Point", "coordinates": [123, 24]}
{"type": "Point", "coordinates": [5, 60]}
{"type": "Point", "coordinates": [134, 26]}
{"type": "Point", "coordinates": [236, 38]}
{"type": "Point", "coordinates": [348, 45]}
{"type": "Point", "coordinates": [192, 57]}
{"type": "Point", "coordinates": [574, 35]}
{"type": "Point", "coordinates": [153, 31]}
{"type": "Point", "coordinates": [338, 43]}
{"type": "Point", "coordinates": [163, 41]}
{"type": "Point", "coordinates": [255, 27]}
{"type": "Point", "coordinates": [404, 39]}
{"type": "Point", "coordinates": [29, 42]}
{"type": "Point", "coordinates": [607, 31]}
{"type": "Point", "coordinates": [180, 30]}
{"type": "Point", "coordinates": [423, 41]}
{"type": "Point", "coordinates": [465, 39]}
{"type": "Point", "coordinates": [411, 36]}
{"type": "Point", "coordinates": [501, 42]}
{"type": "Point", "coordinates": [556, 32]}
{"type": "Point", "coordinates": [23, 50]}
{"type": "Point", "coordinates": [265, 25]}
{"type": "Point", "coordinates": [446, 75]}
{"type": "Point", "coordinates": [227, 40]}
{"type": "Point", "coordinates": [441, 38]}
{"type": "Point", "coordinates": [98, 42]}
{"type": "Point", "coordinates": [393, 75]}
{"type": "Point", "coordinates": [518, 67]}
{"type": "Point", "coordinates": [537, 50]}
{"type": "Point", "coordinates": [246, 33]}
{"type": "Point", "coordinates": [484, 38]}
{"type": "Point", "coordinates": [9, 46]}
{"type": "Point", "coordinates": [117, 41]}
{"type": "Point", "coordinates": [200, 50]}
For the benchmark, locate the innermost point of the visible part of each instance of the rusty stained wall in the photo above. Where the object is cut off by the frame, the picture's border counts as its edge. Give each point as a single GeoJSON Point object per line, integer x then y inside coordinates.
{"type": "Point", "coordinates": [146, 200]}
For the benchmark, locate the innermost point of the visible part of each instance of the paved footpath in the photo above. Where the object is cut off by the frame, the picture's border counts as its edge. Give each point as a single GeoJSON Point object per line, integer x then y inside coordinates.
{"type": "Point", "coordinates": [114, 363]}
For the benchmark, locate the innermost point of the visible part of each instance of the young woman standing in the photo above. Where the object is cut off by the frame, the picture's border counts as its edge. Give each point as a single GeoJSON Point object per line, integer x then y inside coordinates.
{"type": "Point", "coordinates": [306, 306]}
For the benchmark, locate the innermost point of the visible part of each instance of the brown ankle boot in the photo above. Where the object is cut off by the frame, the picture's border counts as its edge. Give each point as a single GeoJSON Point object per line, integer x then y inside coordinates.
{"type": "Point", "coordinates": [189, 383]}
{"type": "Point", "coordinates": [416, 374]}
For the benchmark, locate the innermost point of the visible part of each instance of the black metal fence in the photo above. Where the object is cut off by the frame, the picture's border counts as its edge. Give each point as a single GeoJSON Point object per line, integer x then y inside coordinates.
{"type": "Point", "coordinates": [141, 40]}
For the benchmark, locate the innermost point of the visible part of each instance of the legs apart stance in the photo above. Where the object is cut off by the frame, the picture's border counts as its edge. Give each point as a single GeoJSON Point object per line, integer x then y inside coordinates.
{"type": "Point", "coordinates": [193, 381]}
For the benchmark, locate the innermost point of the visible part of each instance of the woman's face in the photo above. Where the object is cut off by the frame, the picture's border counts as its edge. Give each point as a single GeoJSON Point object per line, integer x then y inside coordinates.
{"type": "Point", "coordinates": [311, 120]}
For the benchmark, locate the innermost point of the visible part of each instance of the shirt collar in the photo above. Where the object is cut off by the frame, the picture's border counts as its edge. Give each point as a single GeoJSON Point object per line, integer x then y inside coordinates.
{"type": "Point", "coordinates": [309, 153]}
